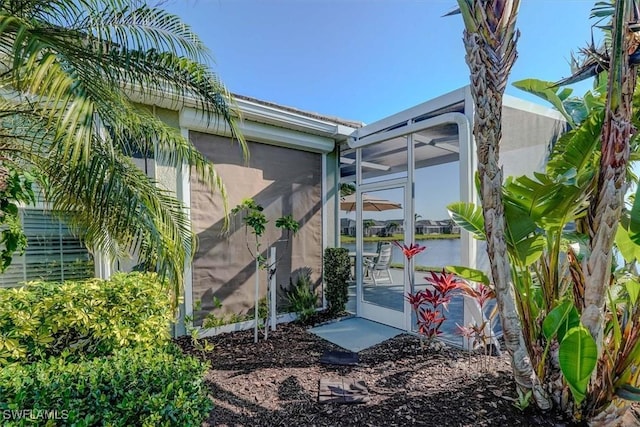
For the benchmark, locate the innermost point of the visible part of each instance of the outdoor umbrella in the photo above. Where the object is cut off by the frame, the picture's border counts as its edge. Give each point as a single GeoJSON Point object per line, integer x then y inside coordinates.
{"type": "Point", "coordinates": [348, 203]}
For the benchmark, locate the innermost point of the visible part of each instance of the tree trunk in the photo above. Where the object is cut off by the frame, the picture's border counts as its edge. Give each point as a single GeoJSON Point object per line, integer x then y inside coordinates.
{"type": "Point", "coordinates": [614, 415]}
{"type": "Point", "coordinates": [605, 209]}
{"type": "Point", "coordinates": [490, 62]}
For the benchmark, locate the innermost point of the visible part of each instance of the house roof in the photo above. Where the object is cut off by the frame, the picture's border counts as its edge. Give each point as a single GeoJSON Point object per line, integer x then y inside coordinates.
{"type": "Point", "coordinates": [312, 115]}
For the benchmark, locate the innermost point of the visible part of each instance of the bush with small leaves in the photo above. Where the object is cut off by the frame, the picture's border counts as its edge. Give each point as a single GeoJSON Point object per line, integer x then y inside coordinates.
{"type": "Point", "coordinates": [85, 318]}
{"type": "Point", "coordinates": [337, 270]}
{"type": "Point", "coordinates": [132, 387]}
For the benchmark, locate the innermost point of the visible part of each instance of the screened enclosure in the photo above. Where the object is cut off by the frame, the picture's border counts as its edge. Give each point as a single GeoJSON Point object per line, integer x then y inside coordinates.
{"type": "Point", "coordinates": [423, 158]}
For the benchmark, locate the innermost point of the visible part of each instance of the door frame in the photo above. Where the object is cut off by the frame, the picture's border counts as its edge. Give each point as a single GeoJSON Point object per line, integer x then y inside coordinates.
{"type": "Point", "coordinates": [387, 316]}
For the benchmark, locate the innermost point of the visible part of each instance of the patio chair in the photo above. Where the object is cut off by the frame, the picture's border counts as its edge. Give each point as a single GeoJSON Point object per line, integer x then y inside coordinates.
{"type": "Point", "coordinates": [378, 269]}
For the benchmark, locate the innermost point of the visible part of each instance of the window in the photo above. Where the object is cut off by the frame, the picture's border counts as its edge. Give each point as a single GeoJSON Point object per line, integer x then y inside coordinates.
{"type": "Point", "coordinates": [53, 253]}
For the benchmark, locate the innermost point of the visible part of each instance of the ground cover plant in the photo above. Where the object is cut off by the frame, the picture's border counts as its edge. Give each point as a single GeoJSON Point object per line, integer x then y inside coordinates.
{"type": "Point", "coordinates": [96, 352]}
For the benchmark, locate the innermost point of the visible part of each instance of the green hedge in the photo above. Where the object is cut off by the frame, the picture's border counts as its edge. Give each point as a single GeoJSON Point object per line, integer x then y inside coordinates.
{"type": "Point", "coordinates": [337, 270]}
{"type": "Point", "coordinates": [86, 318]}
{"type": "Point", "coordinates": [132, 387]}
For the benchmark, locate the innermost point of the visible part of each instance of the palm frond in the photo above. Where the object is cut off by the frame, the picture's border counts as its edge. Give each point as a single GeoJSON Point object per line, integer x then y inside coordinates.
{"type": "Point", "coordinates": [68, 70]}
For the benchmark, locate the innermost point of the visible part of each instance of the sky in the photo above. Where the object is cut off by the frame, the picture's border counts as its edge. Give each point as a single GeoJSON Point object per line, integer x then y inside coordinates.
{"type": "Point", "coordinates": [363, 60]}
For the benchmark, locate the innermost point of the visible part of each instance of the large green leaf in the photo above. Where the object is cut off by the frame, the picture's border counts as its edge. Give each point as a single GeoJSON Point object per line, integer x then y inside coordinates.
{"type": "Point", "coordinates": [575, 150]}
{"type": "Point", "coordinates": [551, 204]}
{"type": "Point", "coordinates": [634, 223]}
{"type": "Point", "coordinates": [548, 92]}
{"type": "Point", "coordinates": [468, 216]}
{"type": "Point", "coordinates": [560, 320]}
{"type": "Point", "coordinates": [628, 248]}
{"type": "Point", "coordinates": [467, 273]}
{"type": "Point", "coordinates": [578, 355]}
{"type": "Point", "coordinates": [633, 289]}
{"type": "Point", "coordinates": [519, 224]}
{"type": "Point", "coordinates": [529, 250]}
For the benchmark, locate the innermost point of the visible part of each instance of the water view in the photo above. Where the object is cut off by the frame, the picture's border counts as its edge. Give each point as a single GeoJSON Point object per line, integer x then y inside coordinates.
{"type": "Point", "coordinates": [439, 252]}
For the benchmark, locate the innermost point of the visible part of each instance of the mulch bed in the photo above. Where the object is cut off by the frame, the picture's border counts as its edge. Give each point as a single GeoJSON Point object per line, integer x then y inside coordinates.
{"type": "Point", "coordinates": [275, 383]}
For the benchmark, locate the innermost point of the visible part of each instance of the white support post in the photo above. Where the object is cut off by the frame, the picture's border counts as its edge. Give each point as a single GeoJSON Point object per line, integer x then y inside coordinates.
{"type": "Point", "coordinates": [272, 289]}
{"type": "Point", "coordinates": [102, 265]}
{"type": "Point", "coordinates": [255, 311]}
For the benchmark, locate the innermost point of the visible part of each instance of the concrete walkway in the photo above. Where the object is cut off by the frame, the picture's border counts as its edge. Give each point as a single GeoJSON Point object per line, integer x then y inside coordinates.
{"type": "Point", "coordinates": [355, 333]}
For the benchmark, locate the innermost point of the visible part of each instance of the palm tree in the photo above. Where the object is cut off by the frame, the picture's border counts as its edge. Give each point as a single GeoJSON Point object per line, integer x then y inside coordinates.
{"type": "Point", "coordinates": [606, 208]}
{"type": "Point", "coordinates": [490, 41]}
{"type": "Point", "coordinates": [66, 114]}
{"type": "Point", "coordinates": [366, 225]}
{"type": "Point", "coordinates": [392, 227]}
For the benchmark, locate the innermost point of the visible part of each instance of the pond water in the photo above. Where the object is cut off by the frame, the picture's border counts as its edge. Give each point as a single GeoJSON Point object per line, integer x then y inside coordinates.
{"type": "Point", "coordinates": [439, 252]}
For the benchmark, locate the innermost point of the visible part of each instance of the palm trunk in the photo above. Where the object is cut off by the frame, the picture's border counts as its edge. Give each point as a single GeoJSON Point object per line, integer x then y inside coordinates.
{"type": "Point", "coordinates": [606, 207]}
{"type": "Point", "coordinates": [4, 177]}
{"type": "Point", "coordinates": [490, 46]}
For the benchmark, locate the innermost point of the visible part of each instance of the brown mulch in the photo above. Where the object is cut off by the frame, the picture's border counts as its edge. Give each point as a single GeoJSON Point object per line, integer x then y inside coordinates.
{"type": "Point", "coordinates": [275, 383]}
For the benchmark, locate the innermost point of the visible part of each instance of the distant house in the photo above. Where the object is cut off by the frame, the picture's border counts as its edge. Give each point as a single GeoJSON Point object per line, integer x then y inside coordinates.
{"type": "Point", "coordinates": [347, 227]}
{"type": "Point", "coordinates": [430, 226]}
{"type": "Point", "coordinates": [394, 226]}
{"type": "Point", "coordinates": [372, 227]}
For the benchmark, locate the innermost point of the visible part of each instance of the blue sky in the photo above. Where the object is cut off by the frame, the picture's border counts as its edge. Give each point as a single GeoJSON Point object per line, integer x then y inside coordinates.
{"type": "Point", "coordinates": [366, 59]}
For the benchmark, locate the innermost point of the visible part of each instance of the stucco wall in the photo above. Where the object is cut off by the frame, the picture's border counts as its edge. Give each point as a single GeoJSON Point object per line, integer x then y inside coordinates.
{"type": "Point", "coordinates": [526, 141]}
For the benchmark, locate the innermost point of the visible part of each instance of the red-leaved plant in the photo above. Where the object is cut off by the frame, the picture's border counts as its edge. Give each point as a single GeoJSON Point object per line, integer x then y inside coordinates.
{"type": "Point", "coordinates": [431, 303]}
{"type": "Point", "coordinates": [409, 252]}
{"type": "Point", "coordinates": [477, 333]}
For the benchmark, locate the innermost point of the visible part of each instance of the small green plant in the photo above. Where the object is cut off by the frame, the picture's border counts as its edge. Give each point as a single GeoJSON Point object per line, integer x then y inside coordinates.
{"type": "Point", "coordinates": [523, 401]}
{"type": "Point", "coordinates": [337, 270]}
{"type": "Point", "coordinates": [302, 299]}
{"type": "Point", "coordinates": [83, 319]}
{"type": "Point", "coordinates": [203, 346]}
{"type": "Point", "coordinates": [132, 387]}
{"type": "Point", "coordinates": [263, 308]}
{"type": "Point", "coordinates": [17, 188]}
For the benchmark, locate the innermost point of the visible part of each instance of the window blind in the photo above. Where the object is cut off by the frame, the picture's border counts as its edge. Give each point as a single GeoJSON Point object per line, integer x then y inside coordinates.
{"type": "Point", "coordinates": [52, 254]}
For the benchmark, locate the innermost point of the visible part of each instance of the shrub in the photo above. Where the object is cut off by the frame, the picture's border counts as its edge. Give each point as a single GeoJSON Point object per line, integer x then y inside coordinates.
{"type": "Point", "coordinates": [302, 299]}
{"type": "Point", "coordinates": [85, 318]}
{"type": "Point", "coordinates": [132, 387]}
{"type": "Point", "coordinates": [337, 270]}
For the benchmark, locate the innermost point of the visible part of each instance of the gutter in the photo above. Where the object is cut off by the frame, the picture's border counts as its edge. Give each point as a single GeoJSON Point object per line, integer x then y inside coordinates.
{"type": "Point", "coordinates": [257, 121]}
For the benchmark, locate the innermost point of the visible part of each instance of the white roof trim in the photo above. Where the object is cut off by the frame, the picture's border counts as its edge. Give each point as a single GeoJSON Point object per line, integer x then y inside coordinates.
{"type": "Point", "coordinates": [195, 120]}
{"type": "Point", "coordinates": [252, 111]}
